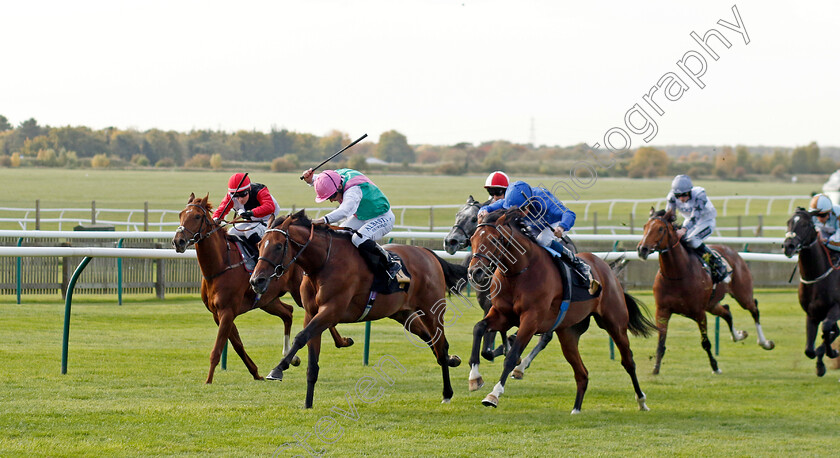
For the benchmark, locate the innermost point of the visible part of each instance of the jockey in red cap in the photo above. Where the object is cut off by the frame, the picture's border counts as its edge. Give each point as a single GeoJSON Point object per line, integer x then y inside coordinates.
{"type": "Point", "coordinates": [250, 201]}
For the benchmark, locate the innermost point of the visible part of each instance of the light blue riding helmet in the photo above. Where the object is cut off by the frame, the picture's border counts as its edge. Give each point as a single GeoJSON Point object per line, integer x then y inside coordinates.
{"type": "Point", "coordinates": [681, 184]}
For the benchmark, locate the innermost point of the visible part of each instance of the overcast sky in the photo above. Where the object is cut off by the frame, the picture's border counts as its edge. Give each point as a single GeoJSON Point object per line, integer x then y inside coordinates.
{"type": "Point", "coordinates": [438, 71]}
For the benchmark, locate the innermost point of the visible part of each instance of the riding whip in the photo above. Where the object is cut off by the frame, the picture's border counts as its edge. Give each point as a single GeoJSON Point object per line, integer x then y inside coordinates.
{"type": "Point", "coordinates": [230, 201]}
{"type": "Point", "coordinates": [336, 154]}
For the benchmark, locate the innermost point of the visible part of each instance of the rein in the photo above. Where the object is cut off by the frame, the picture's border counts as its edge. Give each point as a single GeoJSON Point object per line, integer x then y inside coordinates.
{"type": "Point", "coordinates": [280, 269]}
{"type": "Point", "coordinates": [197, 237]}
{"type": "Point", "coordinates": [499, 246]}
{"type": "Point", "coordinates": [798, 249]}
{"type": "Point", "coordinates": [458, 226]}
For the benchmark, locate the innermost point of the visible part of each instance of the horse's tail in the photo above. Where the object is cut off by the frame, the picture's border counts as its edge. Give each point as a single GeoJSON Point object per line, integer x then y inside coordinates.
{"type": "Point", "coordinates": [455, 275]}
{"type": "Point", "coordinates": [639, 324]}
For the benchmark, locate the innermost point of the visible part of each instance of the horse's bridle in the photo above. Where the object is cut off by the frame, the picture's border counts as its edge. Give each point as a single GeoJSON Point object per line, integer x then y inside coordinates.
{"type": "Point", "coordinates": [667, 234]}
{"type": "Point", "coordinates": [280, 269]}
{"type": "Point", "coordinates": [794, 236]}
{"type": "Point", "coordinates": [197, 236]}
{"type": "Point", "coordinates": [458, 226]}
{"type": "Point", "coordinates": [499, 246]}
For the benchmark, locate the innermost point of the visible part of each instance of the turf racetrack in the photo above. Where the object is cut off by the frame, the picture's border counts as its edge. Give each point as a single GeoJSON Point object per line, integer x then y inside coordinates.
{"type": "Point", "coordinates": [135, 387]}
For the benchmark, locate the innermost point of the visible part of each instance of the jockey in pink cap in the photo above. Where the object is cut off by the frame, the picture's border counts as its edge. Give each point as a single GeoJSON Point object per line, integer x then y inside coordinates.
{"type": "Point", "coordinates": [363, 208]}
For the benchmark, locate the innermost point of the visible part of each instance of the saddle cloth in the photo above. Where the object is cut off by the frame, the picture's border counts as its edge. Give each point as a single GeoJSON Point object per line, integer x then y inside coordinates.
{"type": "Point", "coordinates": [580, 290]}
{"type": "Point", "coordinates": [383, 284]}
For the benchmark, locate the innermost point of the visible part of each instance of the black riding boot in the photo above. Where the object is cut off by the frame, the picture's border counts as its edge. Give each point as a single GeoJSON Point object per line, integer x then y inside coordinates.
{"type": "Point", "coordinates": [580, 266]}
{"type": "Point", "coordinates": [715, 262]}
{"type": "Point", "coordinates": [377, 258]}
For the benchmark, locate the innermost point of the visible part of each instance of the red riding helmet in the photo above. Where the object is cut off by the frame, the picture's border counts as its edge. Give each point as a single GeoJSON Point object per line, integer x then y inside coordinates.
{"type": "Point", "coordinates": [497, 179]}
{"type": "Point", "coordinates": [234, 185]}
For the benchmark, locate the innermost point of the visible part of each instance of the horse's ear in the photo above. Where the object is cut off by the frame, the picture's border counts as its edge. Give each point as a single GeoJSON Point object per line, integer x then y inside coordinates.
{"type": "Point", "coordinates": [670, 216]}
{"type": "Point", "coordinates": [470, 199]}
{"type": "Point", "coordinates": [207, 197]}
{"type": "Point", "coordinates": [192, 198]}
{"type": "Point", "coordinates": [270, 220]}
{"type": "Point", "coordinates": [652, 211]}
{"type": "Point", "coordinates": [300, 213]}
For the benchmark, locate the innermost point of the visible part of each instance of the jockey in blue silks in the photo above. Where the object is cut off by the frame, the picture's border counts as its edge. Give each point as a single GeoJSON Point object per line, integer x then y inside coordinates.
{"type": "Point", "coordinates": [547, 218]}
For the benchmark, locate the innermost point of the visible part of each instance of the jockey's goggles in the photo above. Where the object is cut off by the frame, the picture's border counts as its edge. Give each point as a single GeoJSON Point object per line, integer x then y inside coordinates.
{"type": "Point", "coordinates": [496, 191]}
{"type": "Point", "coordinates": [683, 194]}
{"type": "Point", "coordinates": [240, 194]}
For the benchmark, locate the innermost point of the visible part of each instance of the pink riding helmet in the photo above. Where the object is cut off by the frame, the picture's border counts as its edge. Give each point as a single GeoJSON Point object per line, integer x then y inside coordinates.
{"type": "Point", "coordinates": [326, 184]}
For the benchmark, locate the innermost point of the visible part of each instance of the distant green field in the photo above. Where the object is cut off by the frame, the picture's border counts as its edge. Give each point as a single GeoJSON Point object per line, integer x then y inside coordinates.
{"type": "Point", "coordinates": [135, 387]}
{"type": "Point", "coordinates": [57, 188]}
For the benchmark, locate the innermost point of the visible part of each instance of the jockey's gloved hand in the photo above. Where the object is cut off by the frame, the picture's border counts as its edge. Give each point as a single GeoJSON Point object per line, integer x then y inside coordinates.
{"type": "Point", "coordinates": [217, 220]}
{"type": "Point", "coordinates": [247, 214]}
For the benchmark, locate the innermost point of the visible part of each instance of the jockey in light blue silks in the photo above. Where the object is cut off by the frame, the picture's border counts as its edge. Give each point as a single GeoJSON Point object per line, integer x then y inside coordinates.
{"type": "Point", "coordinates": [547, 218]}
{"type": "Point", "coordinates": [826, 220]}
{"type": "Point", "coordinates": [700, 214]}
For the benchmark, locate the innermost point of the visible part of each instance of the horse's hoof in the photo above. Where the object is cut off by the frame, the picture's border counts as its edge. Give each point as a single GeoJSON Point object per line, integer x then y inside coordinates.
{"type": "Point", "coordinates": [831, 353]}
{"type": "Point", "coordinates": [275, 374]}
{"type": "Point", "coordinates": [488, 355]}
{"type": "Point", "coordinates": [575, 411]}
{"type": "Point", "coordinates": [296, 361]}
{"type": "Point", "coordinates": [642, 406]}
{"type": "Point", "coordinates": [768, 345]}
{"type": "Point", "coordinates": [740, 335]}
{"type": "Point", "coordinates": [655, 371]}
{"type": "Point", "coordinates": [476, 383]}
{"type": "Point", "coordinates": [259, 378]}
{"type": "Point", "coordinates": [349, 342]}
{"type": "Point", "coordinates": [820, 369]}
{"type": "Point", "coordinates": [446, 401]}
{"type": "Point", "coordinates": [810, 354]}
{"type": "Point", "coordinates": [517, 374]}
{"type": "Point", "coordinates": [717, 371]}
{"type": "Point", "coordinates": [490, 401]}
{"type": "Point", "coordinates": [454, 361]}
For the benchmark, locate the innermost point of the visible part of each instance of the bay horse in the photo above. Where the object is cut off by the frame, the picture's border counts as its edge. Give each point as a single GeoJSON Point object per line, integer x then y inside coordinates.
{"type": "Point", "coordinates": [819, 285]}
{"type": "Point", "coordinates": [466, 220]}
{"type": "Point", "coordinates": [531, 296]}
{"type": "Point", "coordinates": [225, 290]}
{"type": "Point", "coordinates": [684, 287]}
{"type": "Point", "coordinates": [341, 290]}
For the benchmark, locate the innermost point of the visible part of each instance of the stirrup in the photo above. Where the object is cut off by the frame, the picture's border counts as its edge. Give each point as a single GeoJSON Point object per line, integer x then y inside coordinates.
{"type": "Point", "coordinates": [401, 277]}
{"type": "Point", "coordinates": [594, 286]}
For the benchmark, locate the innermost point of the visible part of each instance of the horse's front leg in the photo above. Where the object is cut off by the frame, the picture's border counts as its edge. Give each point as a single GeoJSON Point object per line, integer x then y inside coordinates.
{"type": "Point", "coordinates": [663, 316]}
{"type": "Point", "coordinates": [224, 318]}
{"type": "Point", "coordinates": [527, 328]}
{"type": "Point", "coordinates": [475, 378]}
{"type": "Point", "coordinates": [312, 369]}
{"type": "Point", "coordinates": [315, 327]}
{"type": "Point", "coordinates": [811, 326]}
{"type": "Point", "coordinates": [700, 318]}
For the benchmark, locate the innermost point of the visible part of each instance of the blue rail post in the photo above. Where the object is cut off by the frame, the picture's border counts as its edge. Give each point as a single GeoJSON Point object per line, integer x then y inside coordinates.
{"type": "Point", "coordinates": [119, 275]}
{"type": "Point", "coordinates": [67, 303]}
{"type": "Point", "coordinates": [20, 242]}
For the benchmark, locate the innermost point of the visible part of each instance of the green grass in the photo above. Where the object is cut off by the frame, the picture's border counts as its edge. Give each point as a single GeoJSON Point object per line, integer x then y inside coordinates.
{"type": "Point", "coordinates": [135, 387]}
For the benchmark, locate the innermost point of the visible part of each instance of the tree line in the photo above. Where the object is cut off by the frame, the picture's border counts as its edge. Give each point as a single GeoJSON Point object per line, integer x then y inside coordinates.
{"type": "Point", "coordinates": [31, 144]}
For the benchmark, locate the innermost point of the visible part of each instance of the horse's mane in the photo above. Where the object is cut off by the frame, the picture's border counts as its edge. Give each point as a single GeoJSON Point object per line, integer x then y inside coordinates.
{"type": "Point", "coordinates": [659, 213]}
{"type": "Point", "coordinates": [301, 219]}
{"type": "Point", "coordinates": [203, 202]}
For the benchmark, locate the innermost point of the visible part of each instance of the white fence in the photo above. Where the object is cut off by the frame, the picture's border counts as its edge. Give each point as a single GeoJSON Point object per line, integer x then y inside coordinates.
{"type": "Point", "coordinates": [409, 217]}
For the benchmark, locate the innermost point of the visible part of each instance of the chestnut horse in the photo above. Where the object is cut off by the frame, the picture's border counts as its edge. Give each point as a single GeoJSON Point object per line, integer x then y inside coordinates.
{"type": "Point", "coordinates": [819, 293]}
{"type": "Point", "coordinates": [341, 292]}
{"type": "Point", "coordinates": [224, 286]}
{"type": "Point", "coordinates": [683, 286]}
{"type": "Point", "coordinates": [530, 296]}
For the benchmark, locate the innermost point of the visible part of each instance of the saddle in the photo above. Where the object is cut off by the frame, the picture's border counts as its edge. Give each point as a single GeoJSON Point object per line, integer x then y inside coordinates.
{"type": "Point", "coordinates": [247, 252]}
{"type": "Point", "coordinates": [580, 290]}
{"type": "Point", "coordinates": [384, 284]}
